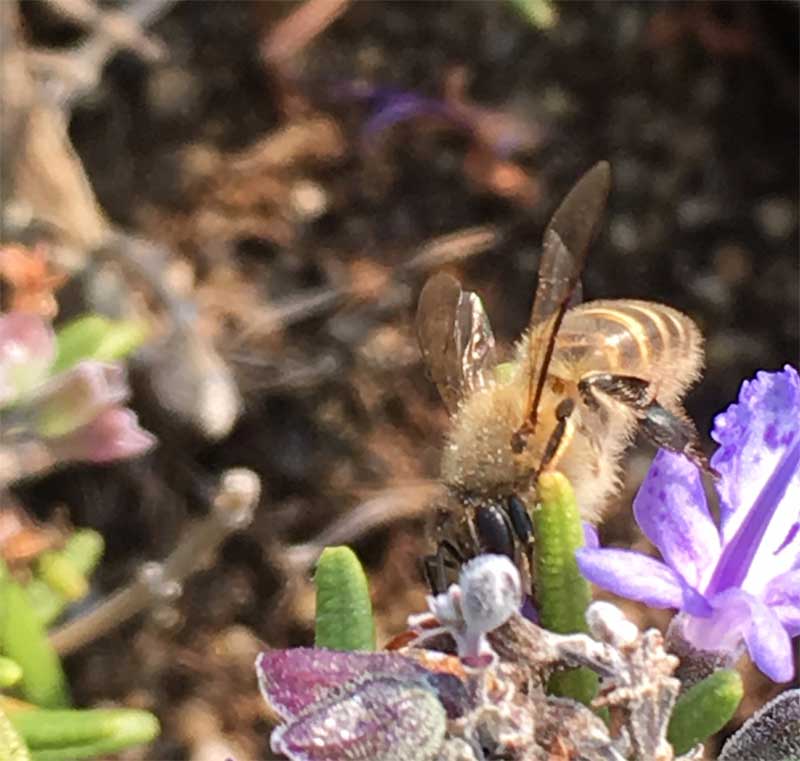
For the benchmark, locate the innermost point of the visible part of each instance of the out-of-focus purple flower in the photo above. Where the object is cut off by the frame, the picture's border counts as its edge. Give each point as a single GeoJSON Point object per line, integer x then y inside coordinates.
{"type": "Point", "coordinates": [114, 434]}
{"type": "Point", "coordinates": [77, 414]}
{"type": "Point", "coordinates": [737, 585]}
{"type": "Point", "coordinates": [379, 706]}
{"type": "Point", "coordinates": [72, 399]}
{"type": "Point", "coordinates": [500, 131]}
{"type": "Point", "coordinates": [27, 349]}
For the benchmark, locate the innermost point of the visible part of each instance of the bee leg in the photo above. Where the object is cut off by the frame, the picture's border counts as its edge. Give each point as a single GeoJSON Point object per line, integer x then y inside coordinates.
{"type": "Point", "coordinates": [563, 411]}
{"type": "Point", "coordinates": [523, 529]}
{"type": "Point", "coordinates": [674, 432]}
{"type": "Point", "coordinates": [635, 392]}
{"type": "Point", "coordinates": [520, 520]}
{"type": "Point", "coordinates": [435, 566]}
{"type": "Point", "coordinates": [664, 428]}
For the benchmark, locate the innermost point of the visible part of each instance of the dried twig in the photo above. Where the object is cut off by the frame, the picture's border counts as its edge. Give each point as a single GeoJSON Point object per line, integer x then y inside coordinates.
{"type": "Point", "coordinates": [232, 510]}
{"type": "Point", "coordinates": [71, 75]}
{"type": "Point", "coordinates": [290, 35]}
{"type": "Point", "coordinates": [388, 506]}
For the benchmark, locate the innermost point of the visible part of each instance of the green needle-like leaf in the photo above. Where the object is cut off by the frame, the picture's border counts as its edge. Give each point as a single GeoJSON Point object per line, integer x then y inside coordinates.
{"type": "Point", "coordinates": [344, 611]}
{"type": "Point", "coordinates": [68, 735]}
{"type": "Point", "coordinates": [46, 603]}
{"type": "Point", "coordinates": [61, 574]}
{"type": "Point", "coordinates": [61, 581]}
{"type": "Point", "coordinates": [12, 748]}
{"type": "Point", "coordinates": [24, 640]}
{"type": "Point", "coordinates": [66, 570]}
{"type": "Point", "coordinates": [704, 709]}
{"type": "Point", "coordinates": [84, 548]}
{"type": "Point", "coordinates": [562, 594]}
{"type": "Point", "coordinates": [93, 336]}
{"type": "Point", "coordinates": [10, 672]}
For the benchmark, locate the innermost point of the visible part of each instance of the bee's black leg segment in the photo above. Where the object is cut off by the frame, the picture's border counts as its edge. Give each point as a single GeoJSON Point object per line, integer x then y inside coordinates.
{"type": "Point", "coordinates": [495, 530]}
{"type": "Point", "coordinates": [435, 570]}
{"type": "Point", "coordinates": [523, 527]}
{"type": "Point", "coordinates": [635, 392]}
{"type": "Point", "coordinates": [678, 434]}
{"type": "Point", "coordinates": [520, 520]}
{"type": "Point", "coordinates": [563, 411]}
{"type": "Point", "coordinates": [435, 566]}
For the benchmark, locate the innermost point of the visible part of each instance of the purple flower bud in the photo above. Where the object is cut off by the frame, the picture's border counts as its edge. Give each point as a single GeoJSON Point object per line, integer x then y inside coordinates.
{"type": "Point", "coordinates": [489, 592]}
{"type": "Point", "coordinates": [113, 435]}
{"type": "Point", "coordinates": [27, 349]}
{"type": "Point", "coordinates": [74, 398]}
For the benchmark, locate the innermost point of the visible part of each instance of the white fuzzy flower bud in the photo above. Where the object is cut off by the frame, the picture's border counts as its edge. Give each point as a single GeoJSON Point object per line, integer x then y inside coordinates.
{"type": "Point", "coordinates": [491, 592]}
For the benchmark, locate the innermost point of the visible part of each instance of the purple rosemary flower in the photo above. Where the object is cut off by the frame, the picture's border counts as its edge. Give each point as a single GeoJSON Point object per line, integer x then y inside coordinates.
{"type": "Point", "coordinates": [736, 585]}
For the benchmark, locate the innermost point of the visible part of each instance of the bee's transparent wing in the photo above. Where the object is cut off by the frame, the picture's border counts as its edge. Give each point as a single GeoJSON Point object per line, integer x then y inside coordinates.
{"type": "Point", "coordinates": [455, 337]}
{"type": "Point", "coordinates": [566, 245]}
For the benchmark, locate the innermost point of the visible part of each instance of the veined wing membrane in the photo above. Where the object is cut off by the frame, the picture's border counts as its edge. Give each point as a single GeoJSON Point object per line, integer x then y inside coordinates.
{"type": "Point", "coordinates": [566, 245]}
{"type": "Point", "coordinates": [455, 337]}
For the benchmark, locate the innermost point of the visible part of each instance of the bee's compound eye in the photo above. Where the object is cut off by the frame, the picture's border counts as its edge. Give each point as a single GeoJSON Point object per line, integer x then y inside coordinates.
{"type": "Point", "coordinates": [494, 531]}
{"type": "Point", "coordinates": [520, 519]}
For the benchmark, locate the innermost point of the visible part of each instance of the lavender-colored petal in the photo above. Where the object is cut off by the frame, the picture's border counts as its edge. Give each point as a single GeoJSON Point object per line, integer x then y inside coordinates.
{"type": "Point", "coordinates": [383, 719]}
{"type": "Point", "coordinates": [769, 644]}
{"type": "Point", "coordinates": [671, 510]}
{"type": "Point", "coordinates": [753, 434]}
{"type": "Point", "coordinates": [759, 460]}
{"type": "Point", "coordinates": [291, 680]}
{"type": "Point", "coordinates": [782, 595]}
{"type": "Point", "coordinates": [27, 349]}
{"type": "Point", "coordinates": [590, 536]}
{"type": "Point", "coordinates": [739, 618]}
{"type": "Point", "coordinates": [113, 435]}
{"type": "Point", "coordinates": [765, 543]}
{"type": "Point", "coordinates": [632, 575]}
{"type": "Point", "coordinates": [722, 631]}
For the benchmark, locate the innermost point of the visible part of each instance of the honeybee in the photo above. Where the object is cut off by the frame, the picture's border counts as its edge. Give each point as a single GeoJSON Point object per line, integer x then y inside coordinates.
{"type": "Point", "coordinates": [582, 380]}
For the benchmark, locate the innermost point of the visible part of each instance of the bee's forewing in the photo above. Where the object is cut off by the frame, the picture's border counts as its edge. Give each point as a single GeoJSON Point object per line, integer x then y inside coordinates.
{"type": "Point", "coordinates": [566, 245]}
{"type": "Point", "coordinates": [455, 337]}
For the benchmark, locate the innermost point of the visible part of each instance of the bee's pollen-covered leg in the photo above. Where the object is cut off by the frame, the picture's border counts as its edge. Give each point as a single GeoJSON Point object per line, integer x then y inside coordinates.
{"type": "Point", "coordinates": [674, 432]}
{"type": "Point", "coordinates": [627, 389]}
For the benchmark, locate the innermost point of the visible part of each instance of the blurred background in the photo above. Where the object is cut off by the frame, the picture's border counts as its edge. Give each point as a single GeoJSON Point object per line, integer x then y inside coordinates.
{"type": "Point", "coordinates": [281, 178]}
